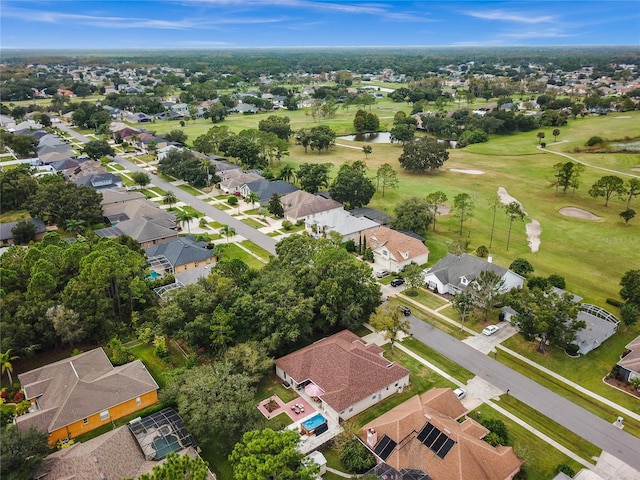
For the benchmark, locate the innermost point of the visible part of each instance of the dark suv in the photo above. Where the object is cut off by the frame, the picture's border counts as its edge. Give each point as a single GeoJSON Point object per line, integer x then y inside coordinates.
{"type": "Point", "coordinates": [405, 310]}
{"type": "Point", "coordinates": [396, 282]}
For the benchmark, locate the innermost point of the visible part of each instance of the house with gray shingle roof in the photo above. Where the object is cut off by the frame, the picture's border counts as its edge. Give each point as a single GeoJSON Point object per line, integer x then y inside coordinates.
{"type": "Point", "coordinates": [84, 392]}
{"type": "Point", "coordinates": [6, 234]}
{"type": "Point", "coordinates": [340, 221]}
{"type": "Point", "coordinates": [353, 374]}
{"type": "Point", "coordinates": [182, 253]}
{"type": "Point", "coordinates": [266, 188]}
{"type": "Point", "coordinates": [453, 274]}
{"type": "Point", "coordinates": [145, 230]}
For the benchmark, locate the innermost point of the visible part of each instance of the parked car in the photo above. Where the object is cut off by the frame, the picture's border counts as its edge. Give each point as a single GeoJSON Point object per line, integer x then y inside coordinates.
{"type": "Point", "coordinates": [460, 393]}
{"type": "Point", "coordinates": [396, 282]}
{"type": "Point", "coordinates": [382, 273]}
{"type": "Point", "coordinates": [490, 330]}
{"type": "Point", "coordinates": [405, 310]}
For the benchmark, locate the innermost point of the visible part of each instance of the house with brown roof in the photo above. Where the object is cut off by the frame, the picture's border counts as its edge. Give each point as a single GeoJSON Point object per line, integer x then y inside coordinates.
{"type": "Point", "coordinates": [84, 392]}
{"type": "Point", "coordinates": [431, 434]}
{"type": "Point", "coordinates": [300, 205]}
{"type": "Point", "coordinates": [351, 374]}
{"type": "Point", "coordinates": [629, 364]}
{"type": "Point", "coordinates": [393, 250]}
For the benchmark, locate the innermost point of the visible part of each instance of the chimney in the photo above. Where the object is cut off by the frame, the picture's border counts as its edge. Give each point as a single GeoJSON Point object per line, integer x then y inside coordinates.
{"type": "Point", "coordinates": [372, 437]}
{"type": "Point", "coordinates": [490, 258]}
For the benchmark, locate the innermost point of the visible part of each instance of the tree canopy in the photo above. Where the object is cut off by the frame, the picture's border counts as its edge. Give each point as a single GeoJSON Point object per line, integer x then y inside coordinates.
{"type": "Point", "coordinates": [413, 215]}
{"type": "Point", "coordinates": [352, 186]}
{"type": "Point", "coordinates": [313, 176]}
{"type": "Point", "coordinates": [61, 202]}
{"type": "Point", "coordinates": [423, 155]}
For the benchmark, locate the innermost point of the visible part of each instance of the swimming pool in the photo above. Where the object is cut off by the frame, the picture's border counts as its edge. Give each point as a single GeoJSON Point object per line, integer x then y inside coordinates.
{"type": "Point", "coordinates": [154, 275]}
{"type": "Point", "coordinates": [165, 445]}
{"type": "Point", "coordinates": [314, 422]}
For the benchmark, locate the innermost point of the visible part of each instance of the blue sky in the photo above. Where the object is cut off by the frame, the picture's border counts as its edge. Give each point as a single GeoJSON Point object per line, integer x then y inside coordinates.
{"type": "Point", "coordinates": [116, 24]}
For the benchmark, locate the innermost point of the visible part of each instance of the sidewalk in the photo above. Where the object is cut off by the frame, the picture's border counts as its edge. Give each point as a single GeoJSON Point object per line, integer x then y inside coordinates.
{"type": "Point", "coordinates": [595, 396]}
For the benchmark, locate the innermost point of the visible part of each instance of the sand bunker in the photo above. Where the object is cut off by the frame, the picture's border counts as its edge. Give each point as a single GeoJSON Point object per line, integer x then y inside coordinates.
{"type": "Point", "coordinates": [444, 210]}
{"type": "Point", "coordinates": [533, 228]}
{"type": "Point", "coordinates": [636, 169]}
{"type": "Point", "coordinates": [622, 116]}
{"type": "Point", "coordinates": [468, 172]}
{"type": "Point", "coordinates": [578, 213]}
{"type": "Point", "coordinates": [533, 234]}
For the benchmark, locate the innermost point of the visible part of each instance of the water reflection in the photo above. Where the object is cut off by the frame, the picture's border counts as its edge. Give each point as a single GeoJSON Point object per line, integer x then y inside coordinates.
{"type": "Point", "coordinates": [376, 137]}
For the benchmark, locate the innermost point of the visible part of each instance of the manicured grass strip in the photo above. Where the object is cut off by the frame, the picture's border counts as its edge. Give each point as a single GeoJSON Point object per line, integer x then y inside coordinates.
{"type": "Point", "coordinates": [158, 190]}
{"type": "Point", "coordinates": [540, 459]}
{"type": "Point", "coordinates": [279, 422]}
{"type": "Point", "coordinates": [427, 298]}
{"type": "Point", "coordinates": [253, 223]}
{"type": "Point", "coordinates": [277, 233]}
{"type": "Point", "coordinates": [116, 166]}
{"type": "Point", "coordinates": [190, 209]}
{"type": "Point", "coordinates": [431, 319]}
{"type": "Point", "coordinates": [215, 224]}
{"type": "Point", "coordinates": [190, 189]}
{"type": "Point", "coordinates": [553, 430]}
{"type": "Point", "coordinates": [234, 251]}
{"type": "Point", "coordinates": [438, 360]}
{"type": "Point", "coordinates": [221, 206]}
{"type": "Point", "coordinates": [561, 388]}
{"type": "Point", "coordinates": [222, 197]}
{"type": "Point", "coordinates": [422, 379]}
{"type": "Point", "coordinates": [294, 228]}
{"type": "Point", "coordinates": [149, 193]}
{"type": "Point", "coordinates": [261, 252]}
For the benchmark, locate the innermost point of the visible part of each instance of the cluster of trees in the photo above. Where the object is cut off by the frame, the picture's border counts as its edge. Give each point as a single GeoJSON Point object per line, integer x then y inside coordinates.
{"type": "Point", "coordinates": [96, 149]}
{"type": "Point", "coordinates": [351, 186]}
{"type": "Point", "coordinates": [365, 122]}
{"type": "Point", "coordinates": [311, 288]}
{"type": "Point", "coordinates": [134, 103]}
{"type": "Point", "coordinates": [89, 115]}
{"type": "Point", "coordinates": [22, 145]}
{"type": "Point", "coordinates": [185, 165]}
{"type": "Point", "coordinates": [60, 293]}
{"type": "Point", "coordinates": [404, 128]}
{"type": "Point", "coordinates": [422, 155]}
{"type": "Point", "coordinates": [630, 293]}
{"type": "Point", "coordinates": [317, 138]}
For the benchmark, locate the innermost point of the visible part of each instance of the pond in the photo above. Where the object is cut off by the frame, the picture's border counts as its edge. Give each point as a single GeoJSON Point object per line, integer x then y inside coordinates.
{"type": "Point", "coordinates": [376, 137]}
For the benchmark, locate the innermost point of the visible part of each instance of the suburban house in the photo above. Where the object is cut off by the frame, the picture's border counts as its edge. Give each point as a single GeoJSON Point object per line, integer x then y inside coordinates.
{"type": "Point", "coordinates": [265, 189]}
{"type": "Point", "coordinates": [393, 250]}
{"type": "Point", "coordinates": [6, 234]}
{"type": "Point", "coordinates": [341, 221]}
{"type": "Point", "coordinates": [83, 392]}
{"type": "Point", "coordinates": [429, 437]}
{"type": "Point", "coordinates": [135, 208]}
{"type": "Point", "coordinates": [629, 363]}
{"type": "Point", "coordinates": [372, 214]}
{"type": "Point", "coordinates": [300, 205]}
{"type": "Point", "coordinates": [350, 375]}
{"type": "Point", "coordinates": [118, 197]}
{"type": "Point", "coordinates": [147, 231]}
{"type": "Point", "coordinates": [453, 274]}
{"type": "Point", "coordinates": [232, 180]}
{"type": "Point", "coordinates": [179, 255]}
{"type": "Point", "coordinates": [120, 453]}
{"type": "Point", "coordinates": [100, 181]}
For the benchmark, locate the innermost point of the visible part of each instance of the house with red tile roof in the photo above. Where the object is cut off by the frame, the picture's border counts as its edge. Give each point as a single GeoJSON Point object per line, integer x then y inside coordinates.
{"type": "Point", "coordinates": [84, 392]}
{"type": "Point", "coordinates": [393, 250]}
{"type": "Point", "coordinates": [351, 375]}
{"type": "Point", "coordinates": [431, 434]}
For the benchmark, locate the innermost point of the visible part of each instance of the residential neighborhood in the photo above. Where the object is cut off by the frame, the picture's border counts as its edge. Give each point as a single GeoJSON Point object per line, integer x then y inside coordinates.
{"type": "Point", "coordinates": [396, 270]}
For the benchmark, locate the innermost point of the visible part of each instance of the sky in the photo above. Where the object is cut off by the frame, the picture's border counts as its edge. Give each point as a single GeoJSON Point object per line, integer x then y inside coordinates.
{"type": "Point", "coordinates": [189, 24]}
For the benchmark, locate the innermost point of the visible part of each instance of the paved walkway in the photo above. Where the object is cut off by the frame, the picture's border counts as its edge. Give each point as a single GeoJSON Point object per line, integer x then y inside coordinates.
{"type": "Point", "coordinates": [604, 169]}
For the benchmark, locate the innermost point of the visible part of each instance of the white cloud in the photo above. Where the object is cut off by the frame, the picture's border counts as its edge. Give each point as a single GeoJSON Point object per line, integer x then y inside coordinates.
{"type": "Point", "coordinates": [507, 16]}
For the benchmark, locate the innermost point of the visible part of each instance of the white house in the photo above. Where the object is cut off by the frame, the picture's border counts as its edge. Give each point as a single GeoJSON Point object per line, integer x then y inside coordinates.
{"type": "Point", "coordinates": [453, 274]}
{"type": "Point", "coordinates": [340, 221]}
{"type": "Point", "coordinates": [393, 250]}
{"type": "Point", "coordinates": [349, 375]}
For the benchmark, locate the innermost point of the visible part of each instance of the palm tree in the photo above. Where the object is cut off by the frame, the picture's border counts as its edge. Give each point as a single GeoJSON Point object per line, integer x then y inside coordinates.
{"type": "Point", "coordinates": [184, 217]}
{"type": "Point", "coordinates": [5, 361]}
{"type": "Point", "coordinates": [169, 198]}
{"type": "Point", "coordinates": [514, 212]}
{"type": "Point", "coordinates": [555, 134]}
{"type": "Point", "coordinates": [253, 197]}
{"type": "Point", "coordinates": [227, 231]}
{"type": "Point", "coordinates": [76, 226]}
{"type": "Point", "coordinates": [205, 164]}
{"type": "Point", "coordinates": [287, 172]}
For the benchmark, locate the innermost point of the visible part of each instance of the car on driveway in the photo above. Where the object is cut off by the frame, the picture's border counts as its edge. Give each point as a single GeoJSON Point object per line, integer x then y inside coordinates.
{"type": "Point", "coordinates": [490, 330]}
{"type": "Point", "coordinates": [382, 273]}
{"type": "Point", "coordinates": [460, 393]}
{"type": "Point", "coordinates": [406, 311]}
{"type": "Point", "coordinates": [396, 282]}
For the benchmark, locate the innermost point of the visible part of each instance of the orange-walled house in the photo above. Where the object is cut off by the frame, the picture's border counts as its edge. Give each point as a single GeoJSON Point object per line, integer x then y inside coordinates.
{"type": "Point", "coordinates": [81, 393]}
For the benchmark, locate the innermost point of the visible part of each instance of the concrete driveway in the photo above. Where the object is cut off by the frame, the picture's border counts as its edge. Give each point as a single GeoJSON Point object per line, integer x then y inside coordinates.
{"type": "Point", "coordinates": [487, 344]}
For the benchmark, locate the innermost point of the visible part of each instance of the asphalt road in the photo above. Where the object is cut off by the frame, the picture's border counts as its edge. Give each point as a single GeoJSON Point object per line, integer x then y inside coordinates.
{"type": "Point", "coordinates": [601, 433]}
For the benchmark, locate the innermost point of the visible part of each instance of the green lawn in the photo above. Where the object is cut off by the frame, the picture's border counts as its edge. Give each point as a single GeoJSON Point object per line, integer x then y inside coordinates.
{"type": "Point", "coordinates": [277, 233]}
{"type": "Point", "coordinates": [221, 206]}
{"type": "Point", "coordinates": [540, 458]}
{"type": "Point", "coordinates": [156, 366]}
{"type": "Point", "coordinates": [261, 252]}
{"type": "Point", "coordinates": [149, 193]}
{"type": "Point", "coordinates": [193, 211]}
{"type": "Point", "coordinates": [428, 299]}
{"type": "Point", "coordinates": [253, 223]}
{"type": "Point", "coordinates": [190, 189]}
{"type": "Point", "coordinates": [215, 224]}
{"type": "Point", "coordinates": [270, 385]}
{"type": "Point", "coordinates": [438, 360]}
{"type": "Point", "coordinates": [158, 190]}
{"type": "Point", "coordinates": [234, 251]}
{"type": "Point", "coordinates": [430, 318]}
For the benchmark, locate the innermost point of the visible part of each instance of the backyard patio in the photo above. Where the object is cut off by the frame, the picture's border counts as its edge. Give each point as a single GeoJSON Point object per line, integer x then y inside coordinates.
{"type": "Point", "coordinates": [296, 409]}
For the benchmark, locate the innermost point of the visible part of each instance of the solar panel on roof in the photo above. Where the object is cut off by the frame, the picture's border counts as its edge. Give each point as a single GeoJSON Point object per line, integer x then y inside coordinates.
{"type": "Point", "coordinates": [448, 445]}
{"type": "Point", "coordinates": [426, 430]}
{"type": "Point", "coordinates": [439, 442]}
{"type": "Point", "coordinates": [431, 437]}
{"type": "Point", "coordinates": [385, 447]}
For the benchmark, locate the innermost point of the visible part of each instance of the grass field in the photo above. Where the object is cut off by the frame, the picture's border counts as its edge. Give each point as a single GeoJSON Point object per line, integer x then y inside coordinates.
{"type": "Point", "coordinates": [234, 251]}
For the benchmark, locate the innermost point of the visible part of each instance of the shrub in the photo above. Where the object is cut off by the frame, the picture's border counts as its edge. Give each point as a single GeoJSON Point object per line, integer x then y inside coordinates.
{"type": "Point", "coordinates": [368, 255]}
{"type": "Point", "coordinates": [593, 141]}
{"type": "Point", "coordinates": [350, 246]}
{"type": "Point", "coordinates": [160, 344]}
{"type": "Point", "coordinates": [614, 302]}
{"type": "Point", "coordinates": [482, 251]}
{"type": "Point", "coordinates": [557, 281]}
{"type": "Point", "coordinates": [287, 225]}
{"type": "Point", "coordinates": [566, 469]}
{"type": "Point", "coordinates": [572, 349]}
{"type": "Point", "coordinates": [232, 200]}
{"type": "Point", "coordinates": [356, 458]}
{"type": "Point", "coordinates": [543, 144]}
{"type": "Point", "coordinates": [18, 397]}
{"type": "Point", "coordinates": [537, 282]}
{"type": "Point", "coordinates": [498, 428]}
{"type": "Point", "coordinates": [23, 407]}
{"type": "Point", "coordinates": [521, 266]}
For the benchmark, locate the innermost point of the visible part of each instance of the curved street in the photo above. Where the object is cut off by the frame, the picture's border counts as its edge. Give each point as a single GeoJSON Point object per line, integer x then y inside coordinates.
{"type": "Point", "coordinates": [601, 433]}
